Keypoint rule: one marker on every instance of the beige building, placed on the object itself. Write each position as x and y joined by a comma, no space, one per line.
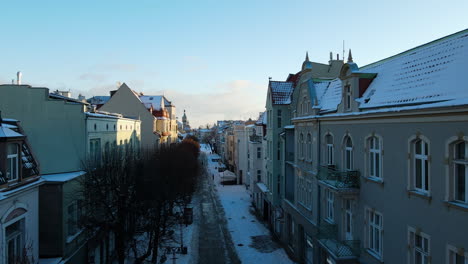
157,114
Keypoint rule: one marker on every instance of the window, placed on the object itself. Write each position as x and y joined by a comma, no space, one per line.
330,209
278,151
259,153
348,97
301,143
14,235
74,213
374,232
421,165
95,150
309,147
460,172
375,157
419,247
348,219
329,154
259,175
279,118
348,153
457,256
12,162
95,127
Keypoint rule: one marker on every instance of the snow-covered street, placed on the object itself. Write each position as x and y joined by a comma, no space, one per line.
252,240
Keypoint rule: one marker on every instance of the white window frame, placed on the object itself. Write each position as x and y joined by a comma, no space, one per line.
424,158
374,230
348,218
460,162
453,254
330,197
21,234
374,167
13,163
422,250
348,151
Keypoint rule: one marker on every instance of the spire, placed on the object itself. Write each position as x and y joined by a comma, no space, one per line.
307,56
350,56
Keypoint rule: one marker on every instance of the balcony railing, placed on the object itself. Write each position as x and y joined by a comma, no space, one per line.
338,179
328,238
255,138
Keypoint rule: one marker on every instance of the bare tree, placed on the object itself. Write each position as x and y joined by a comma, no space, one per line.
133,196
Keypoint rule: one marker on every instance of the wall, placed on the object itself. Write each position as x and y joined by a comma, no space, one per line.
55,128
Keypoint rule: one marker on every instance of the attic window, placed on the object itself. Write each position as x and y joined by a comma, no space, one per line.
95,127
348,97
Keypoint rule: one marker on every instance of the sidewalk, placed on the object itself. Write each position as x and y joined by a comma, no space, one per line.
253,241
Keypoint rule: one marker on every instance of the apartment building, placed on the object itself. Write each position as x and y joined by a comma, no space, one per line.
64,135
380,170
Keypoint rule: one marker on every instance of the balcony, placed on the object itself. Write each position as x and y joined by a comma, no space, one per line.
328,239
255,138
337,179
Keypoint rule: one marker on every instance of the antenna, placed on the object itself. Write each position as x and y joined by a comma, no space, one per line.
343,50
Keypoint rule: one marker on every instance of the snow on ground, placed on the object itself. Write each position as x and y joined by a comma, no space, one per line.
242,224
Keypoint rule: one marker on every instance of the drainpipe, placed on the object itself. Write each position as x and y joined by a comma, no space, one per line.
318,165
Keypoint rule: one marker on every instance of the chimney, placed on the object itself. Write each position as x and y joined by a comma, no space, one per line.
18,78
337,56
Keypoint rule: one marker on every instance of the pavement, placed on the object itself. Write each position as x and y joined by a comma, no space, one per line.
215,243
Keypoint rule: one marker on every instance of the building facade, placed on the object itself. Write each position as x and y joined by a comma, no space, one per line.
64,136
383,177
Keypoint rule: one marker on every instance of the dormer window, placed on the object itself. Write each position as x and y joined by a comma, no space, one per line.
348,97
12,162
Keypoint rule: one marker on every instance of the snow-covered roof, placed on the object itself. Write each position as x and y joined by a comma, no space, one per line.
63,177
262,119
100,99
6,132
281,92
328,95
262,187
428,73
34,183
156,101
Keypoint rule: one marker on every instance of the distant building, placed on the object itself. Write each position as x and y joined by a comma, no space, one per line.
157,115
185,123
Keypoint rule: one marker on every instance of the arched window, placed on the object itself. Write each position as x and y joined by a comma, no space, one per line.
309,147
348,153
330,150
375,157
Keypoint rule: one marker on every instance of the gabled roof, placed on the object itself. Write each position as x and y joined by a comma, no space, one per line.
281,92
429,73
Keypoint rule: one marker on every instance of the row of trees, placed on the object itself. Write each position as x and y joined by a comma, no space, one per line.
137,198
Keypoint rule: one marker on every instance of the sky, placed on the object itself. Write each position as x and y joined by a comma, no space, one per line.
211,58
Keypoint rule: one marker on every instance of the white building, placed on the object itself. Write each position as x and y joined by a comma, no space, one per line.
19,196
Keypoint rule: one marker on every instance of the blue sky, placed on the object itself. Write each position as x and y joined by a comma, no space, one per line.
212,58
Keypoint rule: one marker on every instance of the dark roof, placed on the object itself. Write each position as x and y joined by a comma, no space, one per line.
281,92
